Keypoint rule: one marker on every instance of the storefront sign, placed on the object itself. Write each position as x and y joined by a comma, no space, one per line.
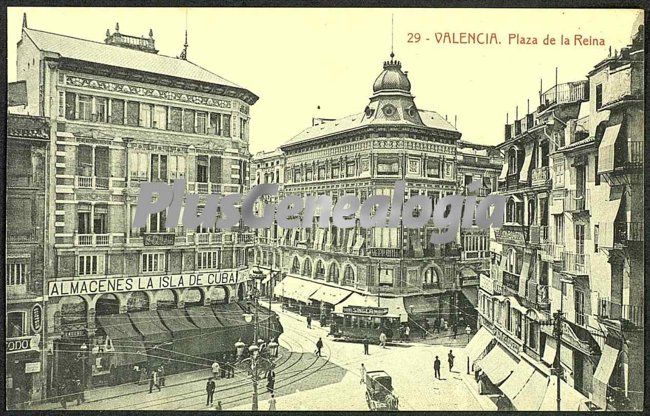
37,315
507,340
365,310
134,284
20,344
73,333
392,253
157,239
509,236
486,283
32,367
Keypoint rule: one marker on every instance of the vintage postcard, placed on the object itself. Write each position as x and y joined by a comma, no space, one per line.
324,209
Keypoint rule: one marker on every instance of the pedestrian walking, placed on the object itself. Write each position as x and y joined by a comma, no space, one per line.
363,374
270,381
436,367
136,374
319,345
215,369
309,321
161,375
366,346
382,340
222,370
450,360
407,332
154,381
272,402
79,392
210,386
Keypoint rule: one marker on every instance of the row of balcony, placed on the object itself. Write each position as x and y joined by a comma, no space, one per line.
628,231
97,182
92,182
570,92
612,310
164,238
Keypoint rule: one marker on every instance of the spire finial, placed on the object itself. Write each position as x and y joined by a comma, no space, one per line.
24,20
117,27
183,54
151,33
392,36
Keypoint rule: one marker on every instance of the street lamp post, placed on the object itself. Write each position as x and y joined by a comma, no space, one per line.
83,349
468,331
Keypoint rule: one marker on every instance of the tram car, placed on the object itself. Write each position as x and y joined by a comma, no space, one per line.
355,323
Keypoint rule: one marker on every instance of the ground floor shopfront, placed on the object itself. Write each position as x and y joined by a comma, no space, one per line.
100,339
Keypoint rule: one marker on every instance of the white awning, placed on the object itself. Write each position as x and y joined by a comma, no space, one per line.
358,244
330,294
608,210
478,344
523,277
602,375
395,306
516,382
504,171
498,365
295,288
571,400
606,149
549,351
523,174
350,233
531,395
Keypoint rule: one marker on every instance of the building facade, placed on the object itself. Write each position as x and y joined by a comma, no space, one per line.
122,114
28,153
573,236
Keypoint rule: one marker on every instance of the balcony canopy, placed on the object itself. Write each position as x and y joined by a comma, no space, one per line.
606,149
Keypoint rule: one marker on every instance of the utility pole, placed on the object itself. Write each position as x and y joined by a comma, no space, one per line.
379,286
254,359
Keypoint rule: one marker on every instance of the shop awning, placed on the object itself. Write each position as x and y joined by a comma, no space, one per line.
187,339
127,343
203,317
214,337
479,344
498,364
606,149
517,380
602,375
422,304
176,321
395,306
571,400
468,273
231,315
358,244
471,294
330,294
148,323
296,288
523,174
504,171
549,351
531,394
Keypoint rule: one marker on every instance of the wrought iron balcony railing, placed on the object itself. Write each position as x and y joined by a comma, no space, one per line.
576,264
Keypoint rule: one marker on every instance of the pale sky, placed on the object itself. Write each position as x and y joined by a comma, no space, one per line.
298,59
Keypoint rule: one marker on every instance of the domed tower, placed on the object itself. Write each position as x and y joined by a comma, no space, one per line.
392,100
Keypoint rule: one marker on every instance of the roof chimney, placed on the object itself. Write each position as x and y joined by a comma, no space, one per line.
24,20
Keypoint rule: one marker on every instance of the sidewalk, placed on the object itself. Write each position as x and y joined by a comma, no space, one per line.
483,399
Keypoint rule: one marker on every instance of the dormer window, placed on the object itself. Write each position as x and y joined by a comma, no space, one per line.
389,110
369,112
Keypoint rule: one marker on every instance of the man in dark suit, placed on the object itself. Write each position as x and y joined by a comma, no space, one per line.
209,389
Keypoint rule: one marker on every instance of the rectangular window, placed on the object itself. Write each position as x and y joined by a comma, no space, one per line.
350,169
297,176
201,122
101,109
387,166
100,219
133,113
242,128
335,171
157,222
85,107
559,229
596,236
215,169
175,119
559,173
153,262
321,172
102,165
176,167
88,265
596,175
433,168
226,125
215,124
70,105
580,239
208,260
188,121
202,169
160,117
61,104
15,324
83,219
117,111
16,274
146,115
580,308
84,160
599,96
158,168
308,175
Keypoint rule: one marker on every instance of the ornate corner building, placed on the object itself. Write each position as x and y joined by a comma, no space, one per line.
573,238
364,154
104,117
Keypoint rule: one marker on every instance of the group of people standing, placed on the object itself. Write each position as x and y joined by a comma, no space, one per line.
436,364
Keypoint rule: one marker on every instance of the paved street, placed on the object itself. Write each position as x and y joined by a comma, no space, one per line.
305,382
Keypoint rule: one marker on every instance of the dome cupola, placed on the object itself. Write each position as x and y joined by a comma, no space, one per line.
392,78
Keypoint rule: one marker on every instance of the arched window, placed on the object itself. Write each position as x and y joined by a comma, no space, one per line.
333,275
295,266
512,161
320,270
431,277
511,261
306,269
348,276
